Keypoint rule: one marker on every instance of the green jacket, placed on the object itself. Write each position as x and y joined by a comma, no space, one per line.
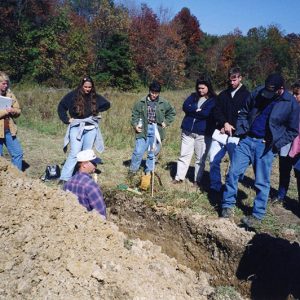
165,112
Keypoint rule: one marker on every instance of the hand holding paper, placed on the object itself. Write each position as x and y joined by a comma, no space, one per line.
5,103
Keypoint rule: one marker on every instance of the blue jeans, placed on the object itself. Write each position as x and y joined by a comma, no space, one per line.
250,151
86,142
14,149
216,153
141,146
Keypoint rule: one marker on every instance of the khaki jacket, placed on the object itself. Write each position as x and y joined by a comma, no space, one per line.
3,114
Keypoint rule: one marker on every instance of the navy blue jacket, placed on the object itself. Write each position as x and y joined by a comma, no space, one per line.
283,121
227,108
200,122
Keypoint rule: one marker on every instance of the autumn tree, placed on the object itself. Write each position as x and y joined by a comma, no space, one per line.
142,34
294,53
188,28
170,54
108,21
19,20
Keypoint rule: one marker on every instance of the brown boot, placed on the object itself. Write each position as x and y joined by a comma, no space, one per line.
145,182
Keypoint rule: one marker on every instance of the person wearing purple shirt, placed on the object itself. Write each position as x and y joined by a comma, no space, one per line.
82,184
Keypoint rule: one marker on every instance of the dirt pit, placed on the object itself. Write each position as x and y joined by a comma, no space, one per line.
258,266
51,248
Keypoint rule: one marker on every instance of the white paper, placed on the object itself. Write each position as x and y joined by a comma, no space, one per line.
233,139
220,137
284,151
5,102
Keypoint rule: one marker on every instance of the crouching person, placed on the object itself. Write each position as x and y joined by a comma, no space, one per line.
83,186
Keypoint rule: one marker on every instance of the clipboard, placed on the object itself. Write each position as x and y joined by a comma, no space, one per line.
220,137
5,102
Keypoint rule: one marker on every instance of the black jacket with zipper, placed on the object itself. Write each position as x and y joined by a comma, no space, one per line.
227,107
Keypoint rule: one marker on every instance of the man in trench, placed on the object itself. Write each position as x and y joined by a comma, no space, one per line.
83,186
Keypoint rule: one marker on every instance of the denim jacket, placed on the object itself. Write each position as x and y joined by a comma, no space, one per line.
283,120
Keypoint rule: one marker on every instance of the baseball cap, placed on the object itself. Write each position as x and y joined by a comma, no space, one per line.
88,155
272,84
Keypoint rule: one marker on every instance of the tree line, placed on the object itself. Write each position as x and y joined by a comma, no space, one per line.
54,42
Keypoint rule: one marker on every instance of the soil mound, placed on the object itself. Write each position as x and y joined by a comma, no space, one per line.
51,248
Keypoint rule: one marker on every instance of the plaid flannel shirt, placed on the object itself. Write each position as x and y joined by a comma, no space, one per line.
87,191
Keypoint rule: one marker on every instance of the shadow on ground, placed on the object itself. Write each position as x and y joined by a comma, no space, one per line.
273,267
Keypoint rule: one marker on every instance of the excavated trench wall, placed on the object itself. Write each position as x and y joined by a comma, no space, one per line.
257,265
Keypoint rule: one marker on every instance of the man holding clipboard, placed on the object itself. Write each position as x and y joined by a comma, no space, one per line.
229,102
9,109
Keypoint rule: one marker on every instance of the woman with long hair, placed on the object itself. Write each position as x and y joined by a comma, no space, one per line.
8,128
197,127
80,110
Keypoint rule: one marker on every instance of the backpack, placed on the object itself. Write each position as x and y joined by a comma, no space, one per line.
52,172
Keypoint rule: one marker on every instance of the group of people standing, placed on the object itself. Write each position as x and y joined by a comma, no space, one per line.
256,125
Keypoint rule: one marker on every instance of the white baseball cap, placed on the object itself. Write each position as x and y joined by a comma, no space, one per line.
88,155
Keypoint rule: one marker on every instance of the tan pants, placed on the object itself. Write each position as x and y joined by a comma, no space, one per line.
192,143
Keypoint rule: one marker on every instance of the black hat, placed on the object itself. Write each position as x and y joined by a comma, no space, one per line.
272,84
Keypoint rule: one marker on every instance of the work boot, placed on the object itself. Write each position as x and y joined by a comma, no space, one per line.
227,212
145,182
175,181
250,222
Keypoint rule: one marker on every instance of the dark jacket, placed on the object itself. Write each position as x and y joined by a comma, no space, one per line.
67,104
227,108
200,122
165,112
283,121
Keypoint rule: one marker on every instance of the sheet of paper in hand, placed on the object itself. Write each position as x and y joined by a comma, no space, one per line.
220,137
5,102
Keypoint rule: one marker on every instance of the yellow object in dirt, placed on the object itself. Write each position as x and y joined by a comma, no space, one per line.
145,182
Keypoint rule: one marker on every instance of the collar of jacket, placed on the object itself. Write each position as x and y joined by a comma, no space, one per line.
160,99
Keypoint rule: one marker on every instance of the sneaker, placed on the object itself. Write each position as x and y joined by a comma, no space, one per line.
276,201
250,222
131,174
174,181
227,212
